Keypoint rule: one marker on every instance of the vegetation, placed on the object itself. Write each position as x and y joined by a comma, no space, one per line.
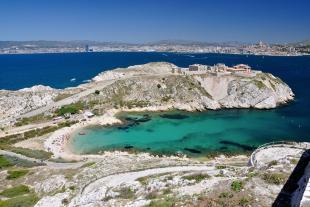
15,174
62,96
143,180
12,139
34,119
274,178
166,98
70,109
227,199
15,191
135,103
126,193
197,177
272,85
88,164
237,185
37,154
226,195
294,161
20,201
152,195
244,201
272,163
259,84
219,167
4,163
166,202
15,161
252,174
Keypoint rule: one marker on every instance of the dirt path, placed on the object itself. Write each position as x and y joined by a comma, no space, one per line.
96,190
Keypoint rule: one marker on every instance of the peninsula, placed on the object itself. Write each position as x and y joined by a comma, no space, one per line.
37,123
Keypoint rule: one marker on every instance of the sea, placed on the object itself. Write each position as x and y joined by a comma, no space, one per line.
194,134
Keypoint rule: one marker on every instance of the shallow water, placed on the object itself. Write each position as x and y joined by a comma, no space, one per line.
194,134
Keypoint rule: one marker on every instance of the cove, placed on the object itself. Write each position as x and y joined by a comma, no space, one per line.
195,134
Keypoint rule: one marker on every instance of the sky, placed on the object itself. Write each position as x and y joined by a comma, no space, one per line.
140,21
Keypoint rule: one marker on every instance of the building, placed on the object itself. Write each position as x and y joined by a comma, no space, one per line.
194,67
220,67
241,67
88,114
197,67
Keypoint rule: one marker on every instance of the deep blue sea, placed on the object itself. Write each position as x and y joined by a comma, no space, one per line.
253,127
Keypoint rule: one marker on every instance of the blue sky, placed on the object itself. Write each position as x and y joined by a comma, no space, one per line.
152,20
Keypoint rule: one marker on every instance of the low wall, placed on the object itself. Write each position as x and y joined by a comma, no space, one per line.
287,144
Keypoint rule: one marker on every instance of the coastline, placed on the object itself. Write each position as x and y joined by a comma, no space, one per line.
57,143
174,52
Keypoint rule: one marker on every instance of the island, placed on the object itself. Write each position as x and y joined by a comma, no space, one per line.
38,122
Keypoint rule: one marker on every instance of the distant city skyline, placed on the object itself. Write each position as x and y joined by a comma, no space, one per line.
139,21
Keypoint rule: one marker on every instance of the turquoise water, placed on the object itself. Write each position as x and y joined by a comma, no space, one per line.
224,130
194,134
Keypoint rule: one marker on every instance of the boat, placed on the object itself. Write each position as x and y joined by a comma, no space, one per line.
82,133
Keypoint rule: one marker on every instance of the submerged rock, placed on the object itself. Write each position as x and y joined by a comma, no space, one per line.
192,150
243,146
174,116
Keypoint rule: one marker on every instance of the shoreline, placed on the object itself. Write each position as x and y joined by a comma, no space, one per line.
176,52
58,142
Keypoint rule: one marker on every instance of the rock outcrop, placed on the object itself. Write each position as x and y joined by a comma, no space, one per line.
160,87
14,103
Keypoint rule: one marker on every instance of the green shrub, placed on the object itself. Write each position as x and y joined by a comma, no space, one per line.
167,202
237,185
14,174
197,177
62,96
88,164
34,119
294,161
37,154
4,162
244,201
71,109
274,178
143,180
126,193
15,191
259,84
272,163
226,195
20,201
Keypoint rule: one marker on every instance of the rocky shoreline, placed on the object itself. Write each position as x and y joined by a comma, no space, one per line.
123,179
152,87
